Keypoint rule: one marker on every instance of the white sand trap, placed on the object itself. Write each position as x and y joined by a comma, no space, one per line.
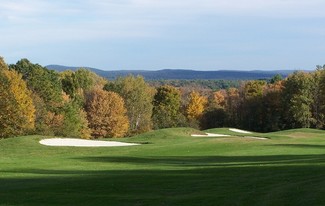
82,143
210,135
240,131
260,138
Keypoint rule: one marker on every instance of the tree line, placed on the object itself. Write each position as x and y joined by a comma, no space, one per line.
295,102
35,100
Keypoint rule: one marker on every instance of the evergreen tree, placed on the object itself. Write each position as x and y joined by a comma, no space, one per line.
45,83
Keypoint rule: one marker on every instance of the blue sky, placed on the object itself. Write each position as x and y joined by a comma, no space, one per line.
160,34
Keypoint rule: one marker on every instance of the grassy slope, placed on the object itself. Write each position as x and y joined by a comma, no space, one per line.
170,168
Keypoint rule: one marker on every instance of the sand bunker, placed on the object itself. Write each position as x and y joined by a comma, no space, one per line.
240,131
209,135
82,143
260,138
225,135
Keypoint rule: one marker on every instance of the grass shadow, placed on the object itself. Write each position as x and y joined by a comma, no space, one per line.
251,180
305,146
222,161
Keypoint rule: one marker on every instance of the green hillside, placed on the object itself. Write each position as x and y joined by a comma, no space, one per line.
170,168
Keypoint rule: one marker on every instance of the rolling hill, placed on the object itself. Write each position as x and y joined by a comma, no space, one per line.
167,74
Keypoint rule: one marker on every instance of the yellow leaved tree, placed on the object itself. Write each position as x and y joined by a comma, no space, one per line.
196,106
17,112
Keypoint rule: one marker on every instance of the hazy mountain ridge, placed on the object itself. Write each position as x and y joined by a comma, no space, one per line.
182,74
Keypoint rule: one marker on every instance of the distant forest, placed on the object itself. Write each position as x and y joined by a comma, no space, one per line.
180,74
202,85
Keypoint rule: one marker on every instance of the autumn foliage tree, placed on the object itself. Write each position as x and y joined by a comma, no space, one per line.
46,88
196,106
232,106
273,107
77,83
17,112
56,112
215,114
106,114
251,105
73,103
218,99
138,96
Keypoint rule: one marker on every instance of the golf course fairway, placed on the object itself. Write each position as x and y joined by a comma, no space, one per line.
169,167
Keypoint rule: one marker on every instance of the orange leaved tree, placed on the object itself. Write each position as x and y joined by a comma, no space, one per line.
106,114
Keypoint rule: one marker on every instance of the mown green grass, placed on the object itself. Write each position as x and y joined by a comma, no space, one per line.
169,168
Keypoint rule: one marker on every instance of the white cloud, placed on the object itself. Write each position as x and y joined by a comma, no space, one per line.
157,11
